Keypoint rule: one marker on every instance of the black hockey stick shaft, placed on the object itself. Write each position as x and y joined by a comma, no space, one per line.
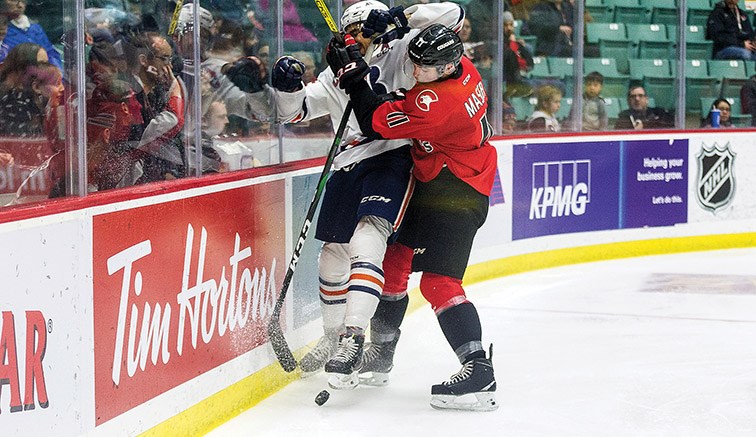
275,332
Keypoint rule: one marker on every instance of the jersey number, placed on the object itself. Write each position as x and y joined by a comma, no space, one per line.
486,129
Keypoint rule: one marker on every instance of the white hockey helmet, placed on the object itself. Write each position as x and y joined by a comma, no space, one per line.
359,12
185,22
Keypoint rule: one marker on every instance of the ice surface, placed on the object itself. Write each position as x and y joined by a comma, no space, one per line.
648,346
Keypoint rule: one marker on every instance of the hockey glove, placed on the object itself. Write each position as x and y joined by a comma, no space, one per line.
346,62
287,74
380,22
247,73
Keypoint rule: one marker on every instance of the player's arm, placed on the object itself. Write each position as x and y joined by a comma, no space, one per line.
384,26
294,101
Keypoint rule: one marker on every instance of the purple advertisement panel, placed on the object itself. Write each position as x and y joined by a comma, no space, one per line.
655,183
562,188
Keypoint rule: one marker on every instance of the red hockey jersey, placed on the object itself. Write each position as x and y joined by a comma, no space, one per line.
447,120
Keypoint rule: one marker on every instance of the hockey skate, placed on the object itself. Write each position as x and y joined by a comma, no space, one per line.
314,360
471,389
377,362
342,368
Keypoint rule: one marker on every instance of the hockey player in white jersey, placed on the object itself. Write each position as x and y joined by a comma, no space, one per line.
368,192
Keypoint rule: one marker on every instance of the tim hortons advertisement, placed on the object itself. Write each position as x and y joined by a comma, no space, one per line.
43,325
182,287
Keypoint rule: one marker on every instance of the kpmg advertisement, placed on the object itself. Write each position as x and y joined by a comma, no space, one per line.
562,188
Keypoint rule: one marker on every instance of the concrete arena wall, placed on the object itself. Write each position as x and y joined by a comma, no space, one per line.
146,313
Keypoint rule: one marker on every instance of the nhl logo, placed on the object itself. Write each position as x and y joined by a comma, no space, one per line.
715,184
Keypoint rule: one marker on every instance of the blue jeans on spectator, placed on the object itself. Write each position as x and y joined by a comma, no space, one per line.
735,52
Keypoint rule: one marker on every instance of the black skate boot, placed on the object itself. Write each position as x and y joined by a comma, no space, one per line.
377,362
472,388
342,368
314,360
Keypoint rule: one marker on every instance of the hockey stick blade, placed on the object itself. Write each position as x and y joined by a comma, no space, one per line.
280,346
275,332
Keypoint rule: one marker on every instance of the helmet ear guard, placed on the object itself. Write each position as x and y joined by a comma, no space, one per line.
436,46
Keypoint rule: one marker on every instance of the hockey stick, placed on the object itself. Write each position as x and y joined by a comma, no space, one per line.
174,17
323,8
275,332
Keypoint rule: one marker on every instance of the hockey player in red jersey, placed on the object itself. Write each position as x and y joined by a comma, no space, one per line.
367,194
445,114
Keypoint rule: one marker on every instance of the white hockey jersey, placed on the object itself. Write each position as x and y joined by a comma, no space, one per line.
388,72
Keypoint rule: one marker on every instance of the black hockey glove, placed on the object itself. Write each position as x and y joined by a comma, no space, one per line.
287,74
247,73
346,62
378,21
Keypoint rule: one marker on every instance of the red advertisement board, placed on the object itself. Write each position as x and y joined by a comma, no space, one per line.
182,287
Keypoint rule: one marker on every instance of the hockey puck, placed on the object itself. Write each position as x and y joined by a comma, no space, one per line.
322,397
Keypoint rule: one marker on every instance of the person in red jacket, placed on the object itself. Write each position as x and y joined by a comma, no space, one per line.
455,166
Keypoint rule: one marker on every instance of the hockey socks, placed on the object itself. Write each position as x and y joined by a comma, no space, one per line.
461,327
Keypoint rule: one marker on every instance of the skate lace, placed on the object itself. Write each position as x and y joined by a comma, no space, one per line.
462,375
347,350
371,353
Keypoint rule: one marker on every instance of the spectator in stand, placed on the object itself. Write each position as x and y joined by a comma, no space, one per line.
748,98
517,60
552,22
228,42
728,27
725,110
213,124
509,118
46,84
251,100
544,118
161,97
640,116
21,29
116,98
20,116
3,31
465,34
521,8
483,14
595,117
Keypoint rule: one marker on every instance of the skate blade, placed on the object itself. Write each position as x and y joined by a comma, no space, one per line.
374,379
481,401
339,381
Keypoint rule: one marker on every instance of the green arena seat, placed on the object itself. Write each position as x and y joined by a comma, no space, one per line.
731,73
698,83
640,68
628,11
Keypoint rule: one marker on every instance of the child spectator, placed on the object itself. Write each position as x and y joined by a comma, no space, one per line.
595,117
544,118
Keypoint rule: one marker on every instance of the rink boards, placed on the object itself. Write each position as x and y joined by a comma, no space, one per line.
146,311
